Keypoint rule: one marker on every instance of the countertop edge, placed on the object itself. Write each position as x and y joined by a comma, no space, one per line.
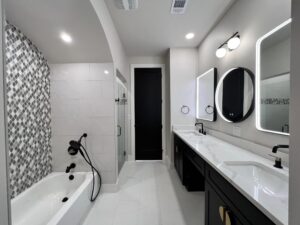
233,183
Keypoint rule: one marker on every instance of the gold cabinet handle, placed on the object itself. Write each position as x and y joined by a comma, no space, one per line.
227,218
222,213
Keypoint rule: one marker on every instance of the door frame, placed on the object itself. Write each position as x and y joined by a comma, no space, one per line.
148,66
118,80
5,203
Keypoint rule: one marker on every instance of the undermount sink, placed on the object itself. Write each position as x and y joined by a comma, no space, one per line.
259,180
191,133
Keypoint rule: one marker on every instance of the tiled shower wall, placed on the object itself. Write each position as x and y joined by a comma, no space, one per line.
82,100
28,111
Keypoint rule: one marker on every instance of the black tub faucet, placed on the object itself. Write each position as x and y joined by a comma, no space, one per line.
72,166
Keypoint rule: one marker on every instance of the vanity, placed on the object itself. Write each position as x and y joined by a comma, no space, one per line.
240,187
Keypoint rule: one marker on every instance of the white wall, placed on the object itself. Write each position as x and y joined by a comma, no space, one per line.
147,60
252,19
4,177
82,100
118,54
294,193
183,70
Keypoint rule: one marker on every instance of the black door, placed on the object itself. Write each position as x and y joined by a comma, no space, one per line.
148,113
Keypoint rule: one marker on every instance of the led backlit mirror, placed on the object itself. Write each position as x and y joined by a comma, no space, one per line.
206,84
273,80
235,95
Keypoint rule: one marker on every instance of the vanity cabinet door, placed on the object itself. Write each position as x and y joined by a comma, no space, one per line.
242,207
217,210
178,156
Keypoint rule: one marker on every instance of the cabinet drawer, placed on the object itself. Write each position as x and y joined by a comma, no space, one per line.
235,199
195,159
218,211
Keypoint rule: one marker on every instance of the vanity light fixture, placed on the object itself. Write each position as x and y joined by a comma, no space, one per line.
189,36
232,43
66,37
221,52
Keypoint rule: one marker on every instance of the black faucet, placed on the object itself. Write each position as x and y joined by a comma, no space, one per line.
275,148
201,131
72,166
278,159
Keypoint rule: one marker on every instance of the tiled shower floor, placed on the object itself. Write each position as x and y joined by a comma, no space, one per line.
149,194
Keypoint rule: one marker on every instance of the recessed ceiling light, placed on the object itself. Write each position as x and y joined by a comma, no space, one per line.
106,71
66,37
190,36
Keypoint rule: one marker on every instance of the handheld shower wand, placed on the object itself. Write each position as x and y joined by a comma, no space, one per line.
74,148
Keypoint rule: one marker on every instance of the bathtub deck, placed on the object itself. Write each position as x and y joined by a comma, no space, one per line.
149,194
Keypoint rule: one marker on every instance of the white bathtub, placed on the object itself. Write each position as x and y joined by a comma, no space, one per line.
42,203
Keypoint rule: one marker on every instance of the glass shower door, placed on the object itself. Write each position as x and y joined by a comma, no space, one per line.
121,104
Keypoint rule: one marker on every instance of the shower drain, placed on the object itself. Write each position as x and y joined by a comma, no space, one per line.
65,199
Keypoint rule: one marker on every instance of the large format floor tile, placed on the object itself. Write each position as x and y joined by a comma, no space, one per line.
149,194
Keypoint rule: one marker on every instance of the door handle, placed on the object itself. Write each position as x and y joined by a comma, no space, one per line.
119,130
227,218
225,215
222,213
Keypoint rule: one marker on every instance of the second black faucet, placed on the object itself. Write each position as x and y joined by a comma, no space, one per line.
201,131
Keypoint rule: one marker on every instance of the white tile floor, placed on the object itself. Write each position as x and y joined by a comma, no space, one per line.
149,194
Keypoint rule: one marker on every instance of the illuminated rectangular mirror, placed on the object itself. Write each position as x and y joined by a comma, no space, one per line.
273,80
206,85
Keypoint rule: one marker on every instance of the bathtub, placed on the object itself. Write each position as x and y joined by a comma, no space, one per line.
42,203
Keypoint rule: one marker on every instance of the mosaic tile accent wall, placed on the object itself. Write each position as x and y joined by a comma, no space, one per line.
28,107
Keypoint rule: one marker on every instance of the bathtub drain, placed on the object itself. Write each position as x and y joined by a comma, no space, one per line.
65,199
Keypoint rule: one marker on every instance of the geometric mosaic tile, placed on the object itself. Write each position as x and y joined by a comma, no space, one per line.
28,111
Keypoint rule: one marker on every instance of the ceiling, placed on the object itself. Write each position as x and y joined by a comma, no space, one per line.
151,29
43,21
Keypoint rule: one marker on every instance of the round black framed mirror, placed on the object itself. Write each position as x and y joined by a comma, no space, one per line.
235,95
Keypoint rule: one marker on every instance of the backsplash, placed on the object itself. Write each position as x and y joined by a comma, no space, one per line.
28,111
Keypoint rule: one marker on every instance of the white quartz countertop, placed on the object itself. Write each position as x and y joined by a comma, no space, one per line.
266,188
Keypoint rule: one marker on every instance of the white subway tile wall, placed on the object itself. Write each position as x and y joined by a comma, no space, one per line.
82,100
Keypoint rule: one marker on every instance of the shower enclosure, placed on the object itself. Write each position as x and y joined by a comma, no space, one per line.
121,122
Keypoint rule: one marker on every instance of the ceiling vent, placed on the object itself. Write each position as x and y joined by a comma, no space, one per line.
178,6
127,4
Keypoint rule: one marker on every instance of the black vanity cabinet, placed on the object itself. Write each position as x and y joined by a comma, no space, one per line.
189,166
220,193
178,156
217,211
224,204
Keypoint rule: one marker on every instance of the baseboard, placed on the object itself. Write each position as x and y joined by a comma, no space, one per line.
167,161
130,158
110,188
